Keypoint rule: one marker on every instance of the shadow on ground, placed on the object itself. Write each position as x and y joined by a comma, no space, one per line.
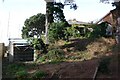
78,44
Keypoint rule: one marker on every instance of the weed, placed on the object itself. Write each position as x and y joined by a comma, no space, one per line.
21,74
39,74
52,55
13,68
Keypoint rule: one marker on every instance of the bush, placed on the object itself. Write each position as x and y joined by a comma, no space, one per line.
52,55
55,54
56,31
39,74
99,30
72,32
38,44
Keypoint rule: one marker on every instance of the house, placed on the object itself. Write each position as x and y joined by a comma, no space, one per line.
110,17
75,22
79,25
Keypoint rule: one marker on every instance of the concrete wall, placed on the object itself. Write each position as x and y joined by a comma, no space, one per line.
2,48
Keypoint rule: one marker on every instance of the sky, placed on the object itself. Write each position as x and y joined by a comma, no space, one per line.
13,13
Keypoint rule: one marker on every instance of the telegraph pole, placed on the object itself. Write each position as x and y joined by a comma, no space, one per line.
46,25
47,20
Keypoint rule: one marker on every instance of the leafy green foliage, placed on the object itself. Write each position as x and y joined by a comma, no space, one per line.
55,54
56,31
58,12
38,44
55,13
34,26
73,6
52,56
49,12
98,30
72,32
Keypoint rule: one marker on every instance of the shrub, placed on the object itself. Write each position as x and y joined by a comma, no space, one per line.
42,58
52,55
55,54
99,30
38,44
72,32
56,31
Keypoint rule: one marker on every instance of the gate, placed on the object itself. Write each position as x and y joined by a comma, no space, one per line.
23,53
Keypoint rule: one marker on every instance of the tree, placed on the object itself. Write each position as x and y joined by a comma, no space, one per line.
55,12
49,12
34,26
32,30
58,12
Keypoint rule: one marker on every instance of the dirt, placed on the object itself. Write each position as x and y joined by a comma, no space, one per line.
76,69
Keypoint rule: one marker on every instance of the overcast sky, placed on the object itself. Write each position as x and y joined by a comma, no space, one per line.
15,13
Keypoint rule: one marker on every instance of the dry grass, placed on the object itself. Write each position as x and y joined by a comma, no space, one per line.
85,49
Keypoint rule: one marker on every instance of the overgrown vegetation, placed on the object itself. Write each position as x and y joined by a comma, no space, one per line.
99,30
72,32
16,70
19,71
92,39
38,44
57,31
54,55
